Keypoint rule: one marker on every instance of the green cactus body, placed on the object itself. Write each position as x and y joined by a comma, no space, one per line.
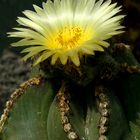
41,114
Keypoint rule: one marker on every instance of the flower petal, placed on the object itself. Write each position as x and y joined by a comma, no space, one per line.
75,59
63,58
54,58
43,57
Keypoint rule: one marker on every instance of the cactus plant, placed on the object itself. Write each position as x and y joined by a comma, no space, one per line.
84,90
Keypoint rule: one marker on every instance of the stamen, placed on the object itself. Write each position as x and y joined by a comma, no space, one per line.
69,37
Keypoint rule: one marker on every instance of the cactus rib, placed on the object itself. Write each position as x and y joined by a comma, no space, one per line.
103,106
15,95
64,108
130,69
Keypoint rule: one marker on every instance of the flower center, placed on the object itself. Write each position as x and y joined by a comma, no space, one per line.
69,37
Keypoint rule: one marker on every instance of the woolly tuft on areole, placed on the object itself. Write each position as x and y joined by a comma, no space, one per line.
67,29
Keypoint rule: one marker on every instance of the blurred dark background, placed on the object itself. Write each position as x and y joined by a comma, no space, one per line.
9,10
131,8
13,72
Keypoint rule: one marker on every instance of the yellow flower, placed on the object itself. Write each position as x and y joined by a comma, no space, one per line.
67,29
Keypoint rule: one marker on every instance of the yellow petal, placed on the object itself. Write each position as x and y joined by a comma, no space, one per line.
75,59
54,58
43,57
34,49
63,59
